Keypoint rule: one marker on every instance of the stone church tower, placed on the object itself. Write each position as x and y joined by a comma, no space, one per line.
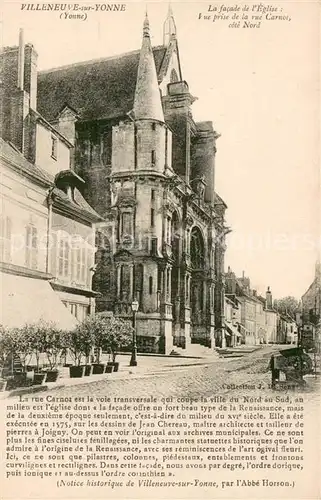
149,168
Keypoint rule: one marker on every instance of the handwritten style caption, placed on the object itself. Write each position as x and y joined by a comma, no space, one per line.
73,11
244,16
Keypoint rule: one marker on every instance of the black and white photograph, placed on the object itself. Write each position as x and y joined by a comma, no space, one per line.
160,235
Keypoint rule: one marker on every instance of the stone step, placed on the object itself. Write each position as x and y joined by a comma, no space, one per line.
201,351
196,350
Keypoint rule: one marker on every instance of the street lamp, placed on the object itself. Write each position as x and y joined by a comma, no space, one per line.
133,359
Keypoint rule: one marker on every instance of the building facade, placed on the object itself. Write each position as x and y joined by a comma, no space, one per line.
259,322
271,319
47,233
310,320
231,336
150,173
311,300
240,287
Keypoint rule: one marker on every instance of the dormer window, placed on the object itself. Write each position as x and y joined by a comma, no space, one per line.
67,181
54,147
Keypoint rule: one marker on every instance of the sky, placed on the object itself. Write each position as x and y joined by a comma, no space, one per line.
259,86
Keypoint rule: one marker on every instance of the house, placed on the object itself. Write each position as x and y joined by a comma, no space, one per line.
292,331
260,319
271,319
47,229
248,302
311,299
149,171
232,322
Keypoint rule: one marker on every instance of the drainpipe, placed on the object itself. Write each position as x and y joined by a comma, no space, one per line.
49,227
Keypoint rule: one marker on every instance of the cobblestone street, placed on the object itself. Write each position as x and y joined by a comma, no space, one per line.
172,378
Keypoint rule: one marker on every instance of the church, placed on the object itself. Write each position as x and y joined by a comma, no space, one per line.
149,172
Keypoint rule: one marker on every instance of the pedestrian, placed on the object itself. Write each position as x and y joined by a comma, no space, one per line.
274,372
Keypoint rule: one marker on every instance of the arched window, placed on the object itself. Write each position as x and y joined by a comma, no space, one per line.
175,235
197,249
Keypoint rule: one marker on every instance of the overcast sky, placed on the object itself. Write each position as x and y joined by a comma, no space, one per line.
260,87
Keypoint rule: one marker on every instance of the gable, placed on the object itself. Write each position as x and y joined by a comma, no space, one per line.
170,70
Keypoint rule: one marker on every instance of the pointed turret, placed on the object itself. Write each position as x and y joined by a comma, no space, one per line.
147,102
169,30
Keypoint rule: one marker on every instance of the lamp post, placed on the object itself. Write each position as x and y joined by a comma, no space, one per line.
133,359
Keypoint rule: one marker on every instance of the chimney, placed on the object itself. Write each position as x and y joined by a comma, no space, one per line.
21,61
19,80
30,74
268,297
254,293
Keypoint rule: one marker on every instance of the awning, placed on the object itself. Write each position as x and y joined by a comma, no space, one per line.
28,300
233,329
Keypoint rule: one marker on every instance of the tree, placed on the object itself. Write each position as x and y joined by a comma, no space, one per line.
9,348
79,342
120,335
23,344
54,343
287,305
106,332
33,337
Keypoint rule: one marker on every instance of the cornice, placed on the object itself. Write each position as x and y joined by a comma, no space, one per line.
26,272
72,289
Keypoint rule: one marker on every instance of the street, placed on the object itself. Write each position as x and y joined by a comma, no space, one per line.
169,377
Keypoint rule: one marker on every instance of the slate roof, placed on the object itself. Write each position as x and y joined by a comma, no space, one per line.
9,153
97,89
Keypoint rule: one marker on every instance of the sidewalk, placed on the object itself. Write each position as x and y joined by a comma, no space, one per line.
147,365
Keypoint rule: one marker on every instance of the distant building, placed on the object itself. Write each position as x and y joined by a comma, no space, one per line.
240,287
232,322
311,299
47,233
282,328
260,319
292,332
271,319
310,319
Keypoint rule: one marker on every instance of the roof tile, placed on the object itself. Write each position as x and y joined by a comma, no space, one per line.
98,89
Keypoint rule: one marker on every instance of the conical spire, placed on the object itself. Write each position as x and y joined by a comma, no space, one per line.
147,102
169,29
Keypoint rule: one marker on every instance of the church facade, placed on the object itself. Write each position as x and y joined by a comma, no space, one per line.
149,171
